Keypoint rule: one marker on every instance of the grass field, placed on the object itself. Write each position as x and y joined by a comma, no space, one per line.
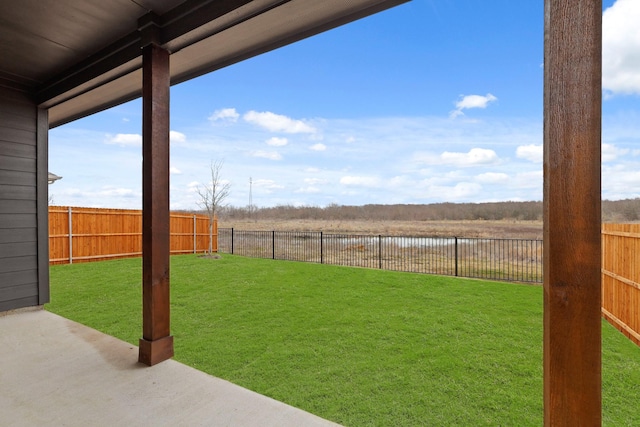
359,347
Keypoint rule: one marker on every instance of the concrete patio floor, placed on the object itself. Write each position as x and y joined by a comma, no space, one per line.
56,372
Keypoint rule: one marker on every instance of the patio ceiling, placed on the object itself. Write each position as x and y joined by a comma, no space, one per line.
77,57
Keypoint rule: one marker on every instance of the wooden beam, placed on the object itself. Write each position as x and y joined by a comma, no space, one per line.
156,344
572,245
182,19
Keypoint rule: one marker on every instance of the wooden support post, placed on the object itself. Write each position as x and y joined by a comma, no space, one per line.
572,217
156,344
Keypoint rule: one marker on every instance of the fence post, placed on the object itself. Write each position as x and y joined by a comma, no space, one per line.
194,235
273,244
380,251
456,254
321,250
70,236
231,240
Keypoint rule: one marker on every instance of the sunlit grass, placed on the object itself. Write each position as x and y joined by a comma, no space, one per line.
356,346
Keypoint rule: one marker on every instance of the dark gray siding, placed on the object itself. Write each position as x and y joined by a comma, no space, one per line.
20,171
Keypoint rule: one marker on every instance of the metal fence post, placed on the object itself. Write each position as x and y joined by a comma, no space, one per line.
273,244
231,240
456,254
380,251
70,237
321,249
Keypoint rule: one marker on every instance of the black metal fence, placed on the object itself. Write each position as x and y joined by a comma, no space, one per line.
517,260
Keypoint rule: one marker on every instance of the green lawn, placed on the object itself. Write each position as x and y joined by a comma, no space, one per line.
359,347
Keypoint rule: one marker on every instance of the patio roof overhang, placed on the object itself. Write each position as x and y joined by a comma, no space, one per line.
78,57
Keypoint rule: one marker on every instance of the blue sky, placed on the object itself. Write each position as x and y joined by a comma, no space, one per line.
432,101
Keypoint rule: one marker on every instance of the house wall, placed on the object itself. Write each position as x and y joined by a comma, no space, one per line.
23,164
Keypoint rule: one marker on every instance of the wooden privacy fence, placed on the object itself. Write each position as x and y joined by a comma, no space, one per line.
92,234
621,278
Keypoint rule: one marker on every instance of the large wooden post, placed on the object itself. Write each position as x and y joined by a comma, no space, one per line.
156,344
572,293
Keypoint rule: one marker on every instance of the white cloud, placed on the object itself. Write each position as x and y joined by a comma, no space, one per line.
475,157
360,181
277,142
308,190
401,182
124,139
271,155
530,179
465,189
610,152
315,181
120,192
620,181
475,101
460,191
175,171
106,191
267,184
471,101
135,139
312,170
318,147
534,152
225,115
175,136
493,178
531,152
277,123
621,48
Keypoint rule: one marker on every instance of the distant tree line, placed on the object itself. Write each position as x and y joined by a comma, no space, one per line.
627,210
431,212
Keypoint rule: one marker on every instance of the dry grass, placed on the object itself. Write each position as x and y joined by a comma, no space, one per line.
487,229
482,257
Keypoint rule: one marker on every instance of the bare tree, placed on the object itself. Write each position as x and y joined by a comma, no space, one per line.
212,195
